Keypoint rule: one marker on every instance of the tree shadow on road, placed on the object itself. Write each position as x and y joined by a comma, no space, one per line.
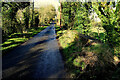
21,62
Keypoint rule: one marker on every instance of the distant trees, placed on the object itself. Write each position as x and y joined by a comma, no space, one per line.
17,17
46,14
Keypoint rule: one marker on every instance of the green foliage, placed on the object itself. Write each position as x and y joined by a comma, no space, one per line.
10,23
82,20
109,18
26,17
46,14
93,57
83,60
76,16
68,14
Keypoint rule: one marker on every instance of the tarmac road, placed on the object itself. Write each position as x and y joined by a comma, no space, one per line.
37,58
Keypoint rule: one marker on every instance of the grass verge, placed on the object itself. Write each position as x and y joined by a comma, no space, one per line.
87,59
17,39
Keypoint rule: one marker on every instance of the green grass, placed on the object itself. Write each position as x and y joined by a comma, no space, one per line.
79,58
97,54
16,39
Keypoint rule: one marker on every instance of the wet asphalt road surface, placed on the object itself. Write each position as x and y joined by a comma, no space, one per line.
37,58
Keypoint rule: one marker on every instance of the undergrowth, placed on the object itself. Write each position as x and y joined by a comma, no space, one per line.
87,59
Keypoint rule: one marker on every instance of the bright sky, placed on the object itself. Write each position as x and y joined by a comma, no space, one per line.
39,3
55,3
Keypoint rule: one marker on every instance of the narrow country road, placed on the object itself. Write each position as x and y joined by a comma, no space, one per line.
37,58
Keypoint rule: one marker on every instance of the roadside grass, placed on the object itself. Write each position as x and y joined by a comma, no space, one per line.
17,39
86,59
85,56
58,31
